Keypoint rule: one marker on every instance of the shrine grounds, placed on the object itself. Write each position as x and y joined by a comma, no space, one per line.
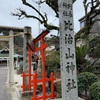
17,87
14,90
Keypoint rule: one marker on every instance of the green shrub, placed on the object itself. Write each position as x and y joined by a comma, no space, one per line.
95,91
85,80
90,68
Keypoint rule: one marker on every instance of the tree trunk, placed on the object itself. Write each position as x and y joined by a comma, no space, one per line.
86,95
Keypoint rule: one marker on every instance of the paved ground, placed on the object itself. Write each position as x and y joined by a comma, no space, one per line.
4,92
14,89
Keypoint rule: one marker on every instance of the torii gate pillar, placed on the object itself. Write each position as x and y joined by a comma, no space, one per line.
10,78
26,39
11,59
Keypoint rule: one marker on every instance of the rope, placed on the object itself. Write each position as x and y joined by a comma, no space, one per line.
13,35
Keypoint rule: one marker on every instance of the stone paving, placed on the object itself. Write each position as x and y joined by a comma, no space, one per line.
4,92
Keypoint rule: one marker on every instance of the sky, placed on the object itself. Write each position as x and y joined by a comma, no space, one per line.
8,6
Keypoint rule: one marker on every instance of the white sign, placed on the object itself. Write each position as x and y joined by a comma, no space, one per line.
67,51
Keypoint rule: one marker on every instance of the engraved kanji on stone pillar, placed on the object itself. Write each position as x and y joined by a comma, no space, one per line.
67,51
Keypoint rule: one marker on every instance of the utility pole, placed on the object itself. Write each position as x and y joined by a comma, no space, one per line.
39,53
38,3
67,51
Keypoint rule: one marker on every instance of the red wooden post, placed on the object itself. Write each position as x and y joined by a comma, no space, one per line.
52,86
34,87
43,69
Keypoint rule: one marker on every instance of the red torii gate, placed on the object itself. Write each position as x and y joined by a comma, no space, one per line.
33,83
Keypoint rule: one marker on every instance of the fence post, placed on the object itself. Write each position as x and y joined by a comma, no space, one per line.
52,85
34,86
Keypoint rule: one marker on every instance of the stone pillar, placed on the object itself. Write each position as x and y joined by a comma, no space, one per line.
26,39
17,61
7,62
11,59
67,51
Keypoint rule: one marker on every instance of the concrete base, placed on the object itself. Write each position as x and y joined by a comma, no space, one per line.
13,91
61,99
26,93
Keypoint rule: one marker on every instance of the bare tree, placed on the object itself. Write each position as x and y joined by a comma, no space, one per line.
43,17
94,6
92,9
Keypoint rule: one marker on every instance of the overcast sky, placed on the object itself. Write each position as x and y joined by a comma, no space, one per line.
8,6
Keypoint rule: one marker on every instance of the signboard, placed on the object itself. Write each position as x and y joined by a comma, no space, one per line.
67,51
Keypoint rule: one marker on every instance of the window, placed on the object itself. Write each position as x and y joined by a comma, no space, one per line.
82,24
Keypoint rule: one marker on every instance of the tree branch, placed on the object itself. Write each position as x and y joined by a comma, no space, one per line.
54,5
51,27
43,20
29,5
23,13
